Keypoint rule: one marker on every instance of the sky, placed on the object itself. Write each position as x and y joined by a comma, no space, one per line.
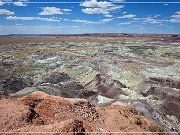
89,16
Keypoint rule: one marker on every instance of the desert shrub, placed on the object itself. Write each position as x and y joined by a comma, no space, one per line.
138,121
123,127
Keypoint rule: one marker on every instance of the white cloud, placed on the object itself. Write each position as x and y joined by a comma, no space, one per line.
16,3
102,7
117,0
166,4
19,3
136,19
18,24
124,12
95,11
66,10
127,16
93,22
178,12
108,15
20,18
156,16
152,19
53,11
33,18
80,21
94,3
1,3
6,12
106,20
124,23
176,17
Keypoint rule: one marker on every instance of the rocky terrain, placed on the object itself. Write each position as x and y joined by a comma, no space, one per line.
40,112
89,83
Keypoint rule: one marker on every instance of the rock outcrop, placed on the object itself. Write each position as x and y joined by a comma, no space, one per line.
40,112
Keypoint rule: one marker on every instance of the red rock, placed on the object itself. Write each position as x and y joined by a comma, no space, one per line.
40,112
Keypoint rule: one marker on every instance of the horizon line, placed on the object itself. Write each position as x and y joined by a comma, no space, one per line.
95,33
69,2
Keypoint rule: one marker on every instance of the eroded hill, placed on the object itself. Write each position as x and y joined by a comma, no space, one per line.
141,72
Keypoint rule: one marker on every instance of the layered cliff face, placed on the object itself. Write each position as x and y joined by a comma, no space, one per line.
40,112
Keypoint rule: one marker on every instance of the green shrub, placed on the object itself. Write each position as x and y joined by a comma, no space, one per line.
138,121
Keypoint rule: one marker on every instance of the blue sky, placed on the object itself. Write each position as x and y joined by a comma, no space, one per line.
89,16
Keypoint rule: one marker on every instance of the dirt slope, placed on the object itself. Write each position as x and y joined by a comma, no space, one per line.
40,112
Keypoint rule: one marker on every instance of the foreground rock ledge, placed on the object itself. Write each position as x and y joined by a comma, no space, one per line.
40,112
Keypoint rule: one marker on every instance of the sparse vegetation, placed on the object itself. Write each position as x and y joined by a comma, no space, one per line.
123,127
156,128
125,66
138,121
134,111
